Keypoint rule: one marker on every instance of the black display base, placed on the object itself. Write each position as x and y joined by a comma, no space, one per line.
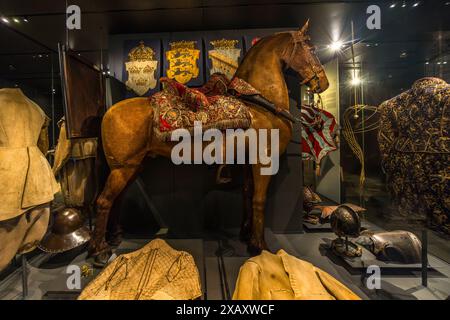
369,259
317,227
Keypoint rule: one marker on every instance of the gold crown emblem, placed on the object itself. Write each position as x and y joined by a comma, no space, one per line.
141,53
224,44
182,45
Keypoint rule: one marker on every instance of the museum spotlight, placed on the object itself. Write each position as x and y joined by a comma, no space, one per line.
5,20
335,45
393,5
25,20
16,20
404,4
356,81
416,4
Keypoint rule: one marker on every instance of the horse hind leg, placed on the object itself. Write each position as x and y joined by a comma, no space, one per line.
116,183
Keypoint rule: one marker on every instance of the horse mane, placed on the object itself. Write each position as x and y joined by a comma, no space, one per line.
260,48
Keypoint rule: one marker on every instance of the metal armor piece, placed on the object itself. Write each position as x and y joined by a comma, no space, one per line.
67,232
395,246
345,222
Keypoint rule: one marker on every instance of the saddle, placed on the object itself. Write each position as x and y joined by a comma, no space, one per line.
178,106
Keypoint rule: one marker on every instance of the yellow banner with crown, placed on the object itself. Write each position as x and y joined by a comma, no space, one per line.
182,61
224,57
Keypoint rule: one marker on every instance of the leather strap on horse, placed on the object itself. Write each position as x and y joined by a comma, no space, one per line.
266,104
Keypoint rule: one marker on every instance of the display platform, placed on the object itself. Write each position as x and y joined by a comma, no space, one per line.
368,259
219,257
48,274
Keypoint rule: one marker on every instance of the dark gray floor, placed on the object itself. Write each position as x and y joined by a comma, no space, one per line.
47,274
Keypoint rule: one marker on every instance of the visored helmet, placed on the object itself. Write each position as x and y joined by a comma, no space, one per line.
345,222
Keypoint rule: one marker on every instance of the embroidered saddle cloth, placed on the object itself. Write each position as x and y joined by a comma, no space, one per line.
178,106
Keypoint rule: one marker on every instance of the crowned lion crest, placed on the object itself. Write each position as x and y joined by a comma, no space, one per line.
182,58
141,66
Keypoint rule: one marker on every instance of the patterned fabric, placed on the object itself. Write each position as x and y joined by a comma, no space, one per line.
178,106
318,132
155,272
242,87
216,85
192,98
415,149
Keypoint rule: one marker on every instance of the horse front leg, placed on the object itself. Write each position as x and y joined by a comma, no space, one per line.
261,184
117,181
247,195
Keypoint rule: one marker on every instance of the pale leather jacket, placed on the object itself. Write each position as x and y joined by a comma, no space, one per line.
154,272
26,179
283,277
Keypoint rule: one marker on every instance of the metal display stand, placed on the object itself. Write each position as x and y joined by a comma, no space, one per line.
424,258
24,277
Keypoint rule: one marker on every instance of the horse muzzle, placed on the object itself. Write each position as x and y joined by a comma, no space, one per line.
319,84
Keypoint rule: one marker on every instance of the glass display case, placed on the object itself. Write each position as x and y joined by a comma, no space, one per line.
357,93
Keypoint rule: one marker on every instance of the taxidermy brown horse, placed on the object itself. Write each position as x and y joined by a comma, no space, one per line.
128,136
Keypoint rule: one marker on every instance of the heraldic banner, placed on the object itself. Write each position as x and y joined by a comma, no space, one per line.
142,66
183,61
223,55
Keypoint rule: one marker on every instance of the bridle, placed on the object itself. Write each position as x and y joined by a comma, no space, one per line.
299,39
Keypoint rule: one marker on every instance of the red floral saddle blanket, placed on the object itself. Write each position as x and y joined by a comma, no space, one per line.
178,106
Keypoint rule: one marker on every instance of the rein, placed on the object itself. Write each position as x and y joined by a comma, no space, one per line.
300,39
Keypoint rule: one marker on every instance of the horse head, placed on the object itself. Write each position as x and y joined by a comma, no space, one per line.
301,56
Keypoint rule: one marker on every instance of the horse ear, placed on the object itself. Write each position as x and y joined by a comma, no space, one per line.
305,28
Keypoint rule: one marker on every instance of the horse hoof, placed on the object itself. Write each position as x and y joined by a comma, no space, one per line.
114,241
101,259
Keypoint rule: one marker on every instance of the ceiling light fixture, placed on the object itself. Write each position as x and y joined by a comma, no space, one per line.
16,20
404,4
25,20
335,45
356,81
416,4
393,5
5,20
427,62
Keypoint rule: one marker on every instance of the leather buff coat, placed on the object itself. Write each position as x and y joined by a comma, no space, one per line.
283,277
26,179
27,184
